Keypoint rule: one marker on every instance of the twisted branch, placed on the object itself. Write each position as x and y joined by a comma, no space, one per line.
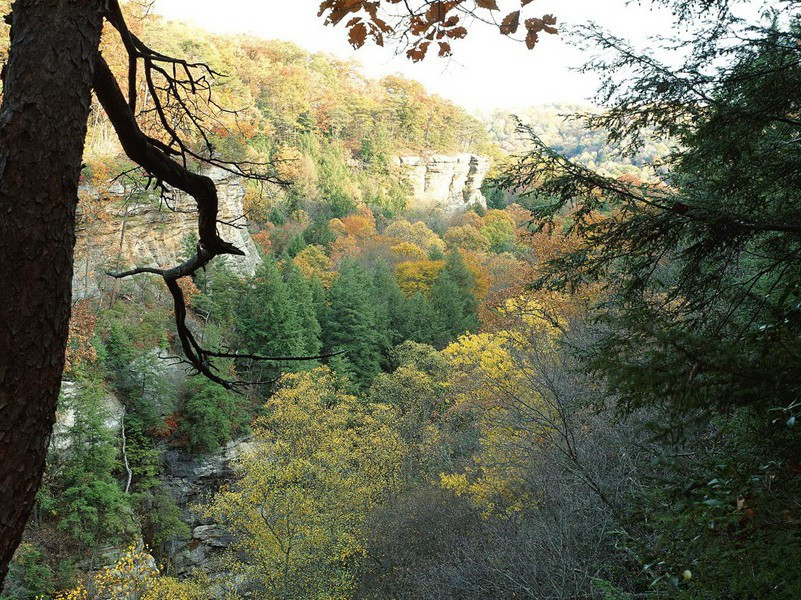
166,163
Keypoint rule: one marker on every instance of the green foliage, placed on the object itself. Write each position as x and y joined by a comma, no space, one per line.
275,318
302,292
499,229
163,524
702,269
85,495
29,576
211,415
356,322
220,293
700,307
724,517
453,301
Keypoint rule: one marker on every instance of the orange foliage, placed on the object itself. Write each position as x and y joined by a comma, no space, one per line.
360,225
521,216
344,247
466,218
189,289
262,241
480,274
82,327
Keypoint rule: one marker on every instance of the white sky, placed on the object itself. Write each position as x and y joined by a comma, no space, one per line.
487,70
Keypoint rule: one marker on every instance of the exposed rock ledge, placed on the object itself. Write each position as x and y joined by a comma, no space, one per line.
450,182
193,480
145,234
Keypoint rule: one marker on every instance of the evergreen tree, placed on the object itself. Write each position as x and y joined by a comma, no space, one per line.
355,323
84,493
390,305
302,294
453,302
268,322
417,320
212,415
701,268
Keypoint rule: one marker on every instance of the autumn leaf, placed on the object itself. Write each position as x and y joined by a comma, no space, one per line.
534,26
544,24
457,33
524,2
488,4
510,23
438,11
418,52
444,49
357,35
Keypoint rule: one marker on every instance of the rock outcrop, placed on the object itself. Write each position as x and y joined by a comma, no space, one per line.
147,233
110,408
191,481
451,183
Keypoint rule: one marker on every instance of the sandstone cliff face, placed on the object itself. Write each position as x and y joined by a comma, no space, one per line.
450,182
147,234
192,480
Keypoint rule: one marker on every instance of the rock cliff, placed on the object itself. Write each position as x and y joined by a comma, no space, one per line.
148,233
193,480
450,182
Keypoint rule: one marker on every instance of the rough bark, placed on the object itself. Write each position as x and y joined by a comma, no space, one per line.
47,92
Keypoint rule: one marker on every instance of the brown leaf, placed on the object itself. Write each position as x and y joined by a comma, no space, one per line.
488,4
548,21
382,25
457,33
444,49
357,35
438,11
524,2
418,52
544,24
531,39
510,23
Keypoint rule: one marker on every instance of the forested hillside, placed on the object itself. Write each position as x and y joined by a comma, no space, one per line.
562,128
586,388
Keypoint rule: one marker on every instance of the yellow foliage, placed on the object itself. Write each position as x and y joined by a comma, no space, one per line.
418,275
313,262
320,461
415,233
408,251
174,589
497,217
134,575
467,237
491,377
337,227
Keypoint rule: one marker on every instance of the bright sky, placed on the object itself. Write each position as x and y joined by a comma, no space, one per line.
487,70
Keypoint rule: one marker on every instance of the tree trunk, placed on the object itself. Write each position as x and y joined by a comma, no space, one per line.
47,92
